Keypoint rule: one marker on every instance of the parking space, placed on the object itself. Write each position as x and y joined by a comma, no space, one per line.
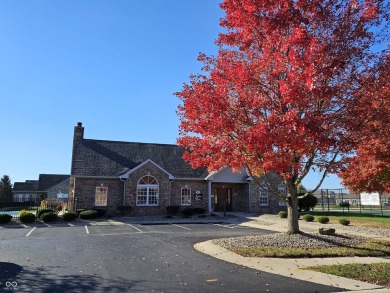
48,231
167,228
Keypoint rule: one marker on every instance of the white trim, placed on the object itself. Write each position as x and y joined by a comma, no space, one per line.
126,175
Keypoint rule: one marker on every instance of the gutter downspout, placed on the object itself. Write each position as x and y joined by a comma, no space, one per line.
209,196
249,196
74,195
124,190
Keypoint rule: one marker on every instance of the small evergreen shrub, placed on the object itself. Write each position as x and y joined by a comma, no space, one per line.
172,210
26,217
344,221
88,214
100,212
125,210
5,218
282,214
344,204
78,211
44,211
199,211
323,219
48,217
188,212
70,216
308,218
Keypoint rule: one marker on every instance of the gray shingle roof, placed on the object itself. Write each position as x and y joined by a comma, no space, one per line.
114,158
28,186
47,181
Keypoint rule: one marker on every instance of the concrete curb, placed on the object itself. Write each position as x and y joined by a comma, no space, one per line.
293,268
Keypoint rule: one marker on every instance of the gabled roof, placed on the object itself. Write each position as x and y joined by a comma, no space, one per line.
114,158
126,175
28,186
47,181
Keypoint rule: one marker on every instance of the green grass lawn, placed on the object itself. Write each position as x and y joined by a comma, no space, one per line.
357,219
370,248
376,273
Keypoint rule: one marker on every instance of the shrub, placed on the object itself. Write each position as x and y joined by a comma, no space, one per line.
308,218
100,212
70,216
327,231
124,210
307,203
44,211
78,211
323,219
188,212
344,221
199,211
282,214
88,214
172,210
5,218
26,217
48,217
344,204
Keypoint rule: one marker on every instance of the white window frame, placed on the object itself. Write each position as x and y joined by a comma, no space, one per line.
282,190
150,191
264,196
101,195
185,199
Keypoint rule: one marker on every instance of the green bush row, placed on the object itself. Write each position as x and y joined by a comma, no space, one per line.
188,212
5,218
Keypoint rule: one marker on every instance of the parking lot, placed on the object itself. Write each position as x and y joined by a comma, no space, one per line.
129,257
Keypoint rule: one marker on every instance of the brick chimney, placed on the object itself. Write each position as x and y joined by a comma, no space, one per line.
78,132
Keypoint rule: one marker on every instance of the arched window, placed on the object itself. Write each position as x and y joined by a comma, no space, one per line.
147,191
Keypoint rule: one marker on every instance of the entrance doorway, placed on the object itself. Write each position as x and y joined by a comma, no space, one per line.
223,200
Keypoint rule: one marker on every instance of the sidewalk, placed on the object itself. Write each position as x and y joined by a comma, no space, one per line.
294,267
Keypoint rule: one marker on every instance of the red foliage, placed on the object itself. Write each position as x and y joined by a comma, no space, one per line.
369,169
277,97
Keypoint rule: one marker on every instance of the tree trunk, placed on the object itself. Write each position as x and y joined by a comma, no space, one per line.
293,216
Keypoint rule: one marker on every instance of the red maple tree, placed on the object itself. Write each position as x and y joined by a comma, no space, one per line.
275,97
369,168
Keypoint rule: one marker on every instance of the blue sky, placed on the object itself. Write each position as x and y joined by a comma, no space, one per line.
113,65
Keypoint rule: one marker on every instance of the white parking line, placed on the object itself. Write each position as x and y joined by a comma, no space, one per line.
86,229
181,227
225,226
135,228
29,233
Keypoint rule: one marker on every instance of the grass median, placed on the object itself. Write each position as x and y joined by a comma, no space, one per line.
376,273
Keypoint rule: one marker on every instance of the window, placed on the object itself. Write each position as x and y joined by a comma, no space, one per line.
185,198
282,190
264,196
101,196
147,191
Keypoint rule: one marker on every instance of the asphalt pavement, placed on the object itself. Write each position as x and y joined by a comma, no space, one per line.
123,256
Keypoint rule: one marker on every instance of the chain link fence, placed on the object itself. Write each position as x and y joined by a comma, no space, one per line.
342,200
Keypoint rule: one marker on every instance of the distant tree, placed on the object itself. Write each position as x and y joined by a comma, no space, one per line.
278,95
5,188
307,203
